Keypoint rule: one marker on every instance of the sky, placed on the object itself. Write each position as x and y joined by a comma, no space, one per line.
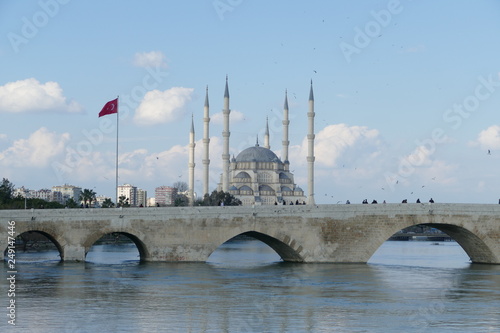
407,93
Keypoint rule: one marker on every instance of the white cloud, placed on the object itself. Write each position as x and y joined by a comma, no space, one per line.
151,169
132,159
234,116
489,138
334,140
347,158
159,107
421,171
36,151
146,169
420,156
158,165
93,167
440,172
31,95
150,59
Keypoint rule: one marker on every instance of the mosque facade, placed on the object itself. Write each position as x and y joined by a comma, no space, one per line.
256,176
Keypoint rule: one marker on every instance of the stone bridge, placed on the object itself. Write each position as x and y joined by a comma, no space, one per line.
303,233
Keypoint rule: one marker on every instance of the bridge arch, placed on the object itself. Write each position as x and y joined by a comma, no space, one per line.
137,240
49,234
286,248
475,246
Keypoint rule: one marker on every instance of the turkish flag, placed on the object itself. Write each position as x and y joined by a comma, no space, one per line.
109,108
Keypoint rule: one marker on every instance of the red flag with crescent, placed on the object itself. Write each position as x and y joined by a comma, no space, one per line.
109,108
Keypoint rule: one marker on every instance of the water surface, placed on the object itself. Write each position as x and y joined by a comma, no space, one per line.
245,287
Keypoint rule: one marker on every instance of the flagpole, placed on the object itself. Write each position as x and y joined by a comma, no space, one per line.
116,171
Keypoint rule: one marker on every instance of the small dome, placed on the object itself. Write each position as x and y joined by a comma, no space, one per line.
245,188
283,176
242,174
265,188
257,154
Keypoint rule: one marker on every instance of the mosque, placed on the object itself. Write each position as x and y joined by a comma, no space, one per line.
256,176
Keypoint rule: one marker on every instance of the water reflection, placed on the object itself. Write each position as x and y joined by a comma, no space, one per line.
243,252
113,253
421,254
245,287
37,256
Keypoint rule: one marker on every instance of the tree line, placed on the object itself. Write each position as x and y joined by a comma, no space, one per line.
9,201
88,197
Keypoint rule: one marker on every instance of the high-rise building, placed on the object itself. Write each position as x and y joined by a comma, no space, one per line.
100,200
62,193
151,202
44,194
142,198
129,192
165,195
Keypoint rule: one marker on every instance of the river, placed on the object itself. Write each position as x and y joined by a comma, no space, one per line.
411,286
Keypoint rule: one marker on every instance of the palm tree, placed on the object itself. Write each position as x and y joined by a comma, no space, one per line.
71,203
83,198
87,196
107,203
92,197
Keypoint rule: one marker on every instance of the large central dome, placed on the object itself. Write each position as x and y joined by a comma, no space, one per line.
257,154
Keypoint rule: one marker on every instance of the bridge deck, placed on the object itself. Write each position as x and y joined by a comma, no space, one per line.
319,233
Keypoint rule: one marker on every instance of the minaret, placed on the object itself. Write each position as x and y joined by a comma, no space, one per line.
206,144
266,135
285,123
225,136
310,148
191,164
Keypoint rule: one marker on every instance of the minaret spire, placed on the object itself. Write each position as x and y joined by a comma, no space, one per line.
311,95
191,163
226,90
285,123
310,146
225,135
266,135
206,144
